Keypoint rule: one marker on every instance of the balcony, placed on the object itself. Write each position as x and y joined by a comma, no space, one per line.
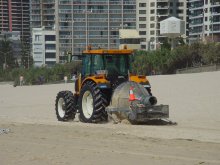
196,5
49,12
63,11
216,4
66,2
161,14
196,16
48,1
163,0
195,1
129,2
196,24
163,7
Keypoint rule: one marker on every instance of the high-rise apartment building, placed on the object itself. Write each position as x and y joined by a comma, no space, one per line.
15,16
204,18
150,13
92,22
84,22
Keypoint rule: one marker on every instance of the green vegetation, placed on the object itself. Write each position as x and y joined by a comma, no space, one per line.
43,74
165,61
6,54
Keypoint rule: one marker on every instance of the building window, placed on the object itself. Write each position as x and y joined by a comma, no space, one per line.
50,47
171,3
142,4
152,32
142,32
143,46
50,63
114,33
179,11
152,46
50,55
206,18
129,7
142,11
143,39
37,38
152,25
142,25
142,18
152,4
152,11
50,38
180,4
152,18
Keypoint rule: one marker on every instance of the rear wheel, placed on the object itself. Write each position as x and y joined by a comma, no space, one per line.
92,104
65,106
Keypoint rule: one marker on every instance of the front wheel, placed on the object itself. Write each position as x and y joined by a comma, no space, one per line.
92,104
65,106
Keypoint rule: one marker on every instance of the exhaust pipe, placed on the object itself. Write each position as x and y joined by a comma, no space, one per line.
151,100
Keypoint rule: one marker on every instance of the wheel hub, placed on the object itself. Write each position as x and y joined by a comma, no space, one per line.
61,107
87,104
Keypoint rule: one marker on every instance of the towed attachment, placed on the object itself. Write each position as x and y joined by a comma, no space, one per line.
132,101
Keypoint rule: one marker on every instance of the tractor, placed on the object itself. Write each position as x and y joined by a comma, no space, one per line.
105,87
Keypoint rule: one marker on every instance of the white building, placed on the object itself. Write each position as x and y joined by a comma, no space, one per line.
43,47
129,38
149,14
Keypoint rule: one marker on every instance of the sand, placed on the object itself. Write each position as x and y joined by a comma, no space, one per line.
36,137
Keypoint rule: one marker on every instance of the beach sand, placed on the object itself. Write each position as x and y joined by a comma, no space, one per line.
36,137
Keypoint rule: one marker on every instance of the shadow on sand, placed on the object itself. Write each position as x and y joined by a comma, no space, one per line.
158,122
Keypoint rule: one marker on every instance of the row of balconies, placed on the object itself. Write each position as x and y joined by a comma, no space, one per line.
35,1
48,20
35,12
36,19
48,12
90,28
69,20
104,20
104,2
83,28
113,11
64,37
197,5
83,46
216,3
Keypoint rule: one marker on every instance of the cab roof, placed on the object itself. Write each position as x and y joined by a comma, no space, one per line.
110,51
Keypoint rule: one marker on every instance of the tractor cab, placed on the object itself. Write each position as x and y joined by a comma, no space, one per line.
112,63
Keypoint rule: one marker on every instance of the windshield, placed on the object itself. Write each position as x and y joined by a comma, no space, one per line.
115,64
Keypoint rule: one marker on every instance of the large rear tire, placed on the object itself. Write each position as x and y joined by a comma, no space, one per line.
92,103
65,106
